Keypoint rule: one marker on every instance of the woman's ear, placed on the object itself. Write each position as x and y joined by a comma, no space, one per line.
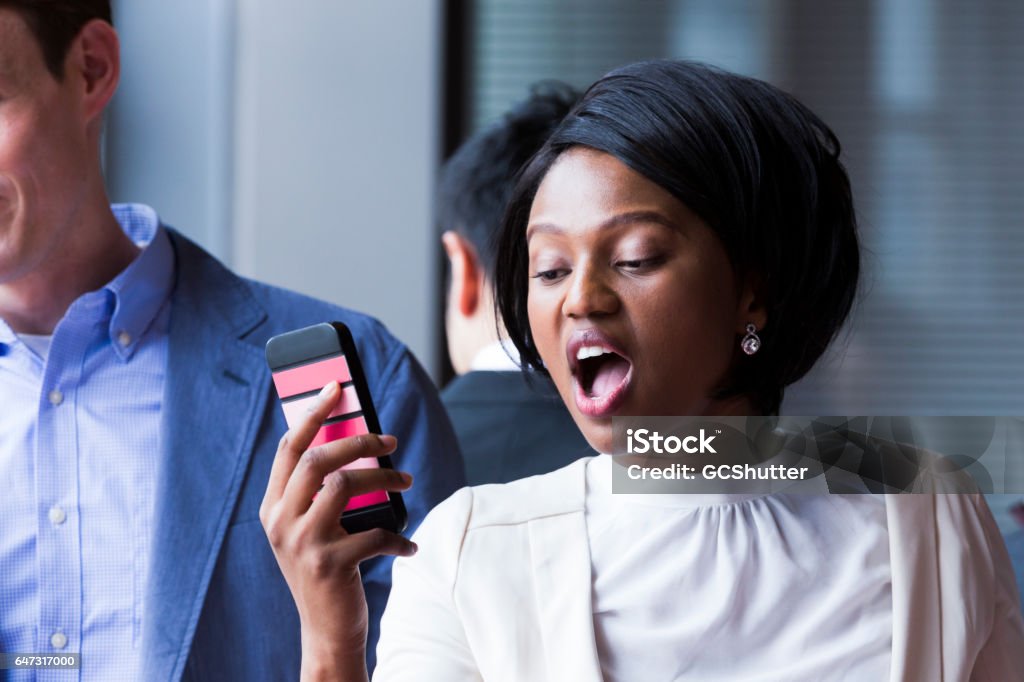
464,297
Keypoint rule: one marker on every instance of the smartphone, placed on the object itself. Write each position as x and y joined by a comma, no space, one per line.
302,362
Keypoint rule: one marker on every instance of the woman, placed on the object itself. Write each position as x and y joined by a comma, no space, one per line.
684,244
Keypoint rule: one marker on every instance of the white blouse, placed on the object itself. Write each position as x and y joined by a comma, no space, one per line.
738,587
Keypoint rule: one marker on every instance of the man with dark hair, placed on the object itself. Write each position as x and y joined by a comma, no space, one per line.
139,422
55,23
508,427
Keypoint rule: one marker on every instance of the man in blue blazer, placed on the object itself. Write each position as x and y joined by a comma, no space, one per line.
139,422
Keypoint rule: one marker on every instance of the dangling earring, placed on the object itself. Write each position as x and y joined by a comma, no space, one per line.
751,343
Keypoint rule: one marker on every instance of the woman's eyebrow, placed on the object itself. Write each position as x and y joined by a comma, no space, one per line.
627,218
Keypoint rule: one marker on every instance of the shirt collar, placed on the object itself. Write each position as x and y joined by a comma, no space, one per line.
497,356
138,293
142,288
7,337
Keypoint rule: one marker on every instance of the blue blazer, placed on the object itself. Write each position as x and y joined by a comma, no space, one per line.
216,605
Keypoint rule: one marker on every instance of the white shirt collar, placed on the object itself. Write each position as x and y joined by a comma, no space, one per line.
499,356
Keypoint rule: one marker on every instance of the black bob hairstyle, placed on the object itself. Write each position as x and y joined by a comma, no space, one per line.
757,166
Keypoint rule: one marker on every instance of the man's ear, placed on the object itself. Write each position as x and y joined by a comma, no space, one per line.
751,308
466,273
94,60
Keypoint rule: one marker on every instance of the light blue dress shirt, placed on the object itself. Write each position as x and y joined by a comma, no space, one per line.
79,444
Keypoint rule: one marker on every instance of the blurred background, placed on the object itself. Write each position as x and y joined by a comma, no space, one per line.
299,142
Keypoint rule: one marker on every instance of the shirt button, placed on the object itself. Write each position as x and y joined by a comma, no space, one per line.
59,640
57,516
56,397
124,338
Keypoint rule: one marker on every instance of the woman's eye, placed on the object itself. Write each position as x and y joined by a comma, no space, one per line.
550,275
639,263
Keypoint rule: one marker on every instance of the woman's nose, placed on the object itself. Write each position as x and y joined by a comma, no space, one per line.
589,294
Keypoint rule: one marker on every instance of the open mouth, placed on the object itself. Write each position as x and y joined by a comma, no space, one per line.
601,373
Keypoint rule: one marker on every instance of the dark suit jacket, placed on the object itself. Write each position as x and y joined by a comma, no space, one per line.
509,429
216,605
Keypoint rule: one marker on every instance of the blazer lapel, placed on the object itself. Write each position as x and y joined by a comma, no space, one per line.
917,615
561,571
216,391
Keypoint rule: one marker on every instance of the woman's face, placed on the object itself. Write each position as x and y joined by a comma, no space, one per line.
633,304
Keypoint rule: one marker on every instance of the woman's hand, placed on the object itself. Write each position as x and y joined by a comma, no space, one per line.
319,560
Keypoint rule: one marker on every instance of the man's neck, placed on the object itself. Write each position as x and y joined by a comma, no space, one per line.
95,253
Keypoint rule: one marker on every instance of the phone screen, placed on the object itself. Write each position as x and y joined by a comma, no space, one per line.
302,362
298,388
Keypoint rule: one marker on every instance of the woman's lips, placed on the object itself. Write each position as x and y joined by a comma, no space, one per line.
602,392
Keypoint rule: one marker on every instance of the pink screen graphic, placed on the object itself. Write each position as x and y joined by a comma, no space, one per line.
313,377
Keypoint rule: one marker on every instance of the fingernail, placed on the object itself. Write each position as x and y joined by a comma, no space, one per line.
327,390
406,477
388,442
415,547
